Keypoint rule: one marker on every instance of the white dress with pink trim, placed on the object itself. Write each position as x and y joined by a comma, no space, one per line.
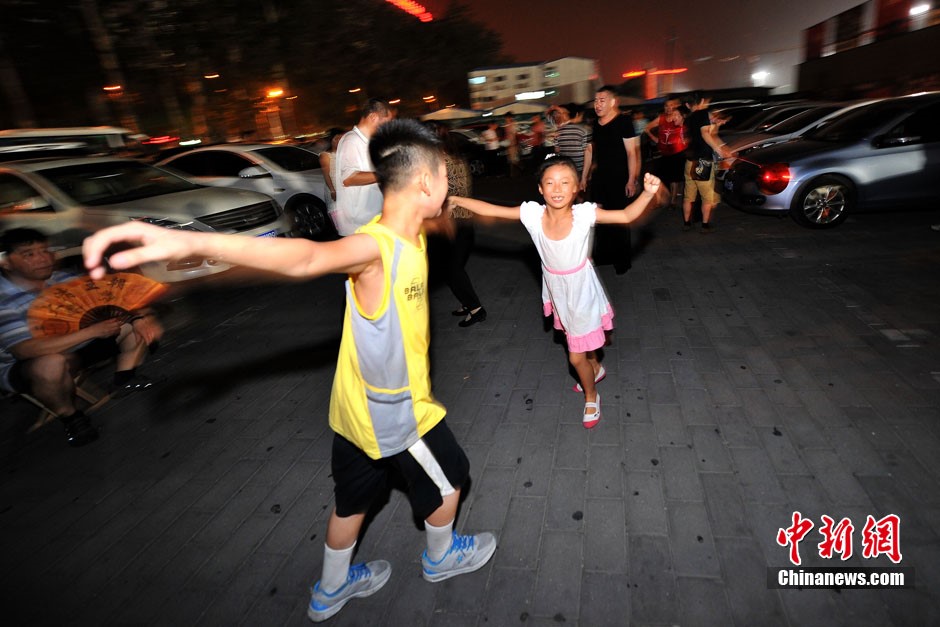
570,287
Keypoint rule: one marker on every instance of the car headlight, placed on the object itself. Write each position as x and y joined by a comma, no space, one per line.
773,178
168,224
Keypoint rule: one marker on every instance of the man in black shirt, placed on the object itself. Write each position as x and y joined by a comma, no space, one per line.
614,155
704,144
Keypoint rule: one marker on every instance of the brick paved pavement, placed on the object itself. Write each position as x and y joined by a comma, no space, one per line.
755,371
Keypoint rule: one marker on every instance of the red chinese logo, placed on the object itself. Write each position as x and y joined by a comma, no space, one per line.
882,537
836,538
879,537
793,534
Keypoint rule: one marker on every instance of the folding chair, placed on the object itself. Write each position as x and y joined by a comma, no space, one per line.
95,400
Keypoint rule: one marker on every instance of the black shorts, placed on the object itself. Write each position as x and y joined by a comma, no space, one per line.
359,480
95,351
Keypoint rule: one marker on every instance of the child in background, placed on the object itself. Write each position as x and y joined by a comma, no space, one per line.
571,290
382,411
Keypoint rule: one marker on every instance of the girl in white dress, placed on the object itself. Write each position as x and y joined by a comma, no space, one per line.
571,290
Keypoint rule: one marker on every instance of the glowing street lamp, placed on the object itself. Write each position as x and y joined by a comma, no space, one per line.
275,92
355,90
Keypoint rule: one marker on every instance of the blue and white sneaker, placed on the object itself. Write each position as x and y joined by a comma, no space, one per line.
361,581
465,555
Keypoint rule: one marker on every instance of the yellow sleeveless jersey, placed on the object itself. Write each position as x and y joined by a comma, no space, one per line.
381,399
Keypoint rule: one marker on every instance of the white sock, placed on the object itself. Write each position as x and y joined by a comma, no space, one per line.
439,539
335,567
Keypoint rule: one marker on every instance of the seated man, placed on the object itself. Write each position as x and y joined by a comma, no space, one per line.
44,367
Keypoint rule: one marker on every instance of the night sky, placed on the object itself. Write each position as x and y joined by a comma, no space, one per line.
721,42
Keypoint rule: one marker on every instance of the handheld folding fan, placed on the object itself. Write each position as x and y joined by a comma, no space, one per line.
75,304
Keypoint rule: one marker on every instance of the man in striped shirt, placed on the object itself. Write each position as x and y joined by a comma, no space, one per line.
572,137
43,366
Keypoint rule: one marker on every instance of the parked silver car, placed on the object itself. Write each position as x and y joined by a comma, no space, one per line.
68,199
790,128
289,174
882,154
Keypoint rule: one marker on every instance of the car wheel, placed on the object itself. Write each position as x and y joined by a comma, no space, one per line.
823,203
309,217
477,167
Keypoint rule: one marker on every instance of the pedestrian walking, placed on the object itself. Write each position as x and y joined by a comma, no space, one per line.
358,197
459,183
612,165
571,290
704,144
385,418
572,137
511,134
327,166
667,132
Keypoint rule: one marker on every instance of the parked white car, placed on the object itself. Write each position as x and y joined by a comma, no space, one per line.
289,174
68,199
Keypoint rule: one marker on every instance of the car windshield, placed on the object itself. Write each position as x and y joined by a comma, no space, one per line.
738,116
779,115
802,120
108,182
291,158
858,123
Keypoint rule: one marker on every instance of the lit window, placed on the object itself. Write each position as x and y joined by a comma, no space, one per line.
477,80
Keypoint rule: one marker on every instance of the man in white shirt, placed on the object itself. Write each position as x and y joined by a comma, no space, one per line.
358,198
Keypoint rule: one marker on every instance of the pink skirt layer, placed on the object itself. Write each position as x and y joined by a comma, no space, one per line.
589,341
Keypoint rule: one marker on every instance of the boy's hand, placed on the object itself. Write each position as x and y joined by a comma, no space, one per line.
154,244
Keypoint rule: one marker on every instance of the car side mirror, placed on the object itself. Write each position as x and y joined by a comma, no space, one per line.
887,141
253,172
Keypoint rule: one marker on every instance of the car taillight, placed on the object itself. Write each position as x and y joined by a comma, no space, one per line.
774,178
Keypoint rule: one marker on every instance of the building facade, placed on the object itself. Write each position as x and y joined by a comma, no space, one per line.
878,48
568,79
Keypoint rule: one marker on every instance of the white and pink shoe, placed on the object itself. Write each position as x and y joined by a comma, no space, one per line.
589,421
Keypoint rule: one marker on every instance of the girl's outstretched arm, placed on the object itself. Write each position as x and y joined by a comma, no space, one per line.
486,209
649,197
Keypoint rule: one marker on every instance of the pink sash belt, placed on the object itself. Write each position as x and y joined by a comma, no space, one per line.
571,271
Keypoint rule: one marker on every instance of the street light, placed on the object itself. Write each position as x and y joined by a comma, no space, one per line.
760,78
273,112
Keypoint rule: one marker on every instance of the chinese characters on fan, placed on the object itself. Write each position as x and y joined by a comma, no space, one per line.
879,537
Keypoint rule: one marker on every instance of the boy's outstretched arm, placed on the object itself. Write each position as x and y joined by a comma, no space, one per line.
486,209
649,197
288,257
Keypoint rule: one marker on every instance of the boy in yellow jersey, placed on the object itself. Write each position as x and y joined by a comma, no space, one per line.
382,411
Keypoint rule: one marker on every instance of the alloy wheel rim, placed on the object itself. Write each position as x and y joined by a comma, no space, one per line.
824,204
308,219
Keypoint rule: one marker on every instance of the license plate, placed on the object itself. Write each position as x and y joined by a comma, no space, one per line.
268,234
